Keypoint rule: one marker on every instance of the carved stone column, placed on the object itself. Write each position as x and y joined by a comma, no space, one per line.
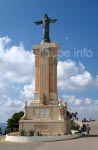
45,73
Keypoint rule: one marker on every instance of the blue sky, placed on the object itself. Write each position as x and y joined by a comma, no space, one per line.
76,30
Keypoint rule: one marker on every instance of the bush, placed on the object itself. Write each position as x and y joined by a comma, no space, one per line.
31,133
13,122
23,132
39,133
65,134
74,126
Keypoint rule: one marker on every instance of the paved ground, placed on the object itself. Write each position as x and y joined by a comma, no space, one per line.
85,143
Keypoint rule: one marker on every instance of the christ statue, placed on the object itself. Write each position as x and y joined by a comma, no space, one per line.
46,23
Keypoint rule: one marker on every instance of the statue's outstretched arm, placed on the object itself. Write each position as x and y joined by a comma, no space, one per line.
53,20
38,22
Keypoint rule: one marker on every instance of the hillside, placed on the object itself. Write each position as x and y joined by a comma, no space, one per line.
3,125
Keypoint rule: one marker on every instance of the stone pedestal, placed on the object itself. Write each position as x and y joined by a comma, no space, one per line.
48,119
45,114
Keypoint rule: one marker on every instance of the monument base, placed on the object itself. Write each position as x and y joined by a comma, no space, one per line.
46,128
48,119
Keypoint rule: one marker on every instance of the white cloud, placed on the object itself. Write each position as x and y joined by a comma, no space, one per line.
87,101
82,80
97,80
72,100
85,107
16,72
3,43
16,64
73,76
9,107
28,92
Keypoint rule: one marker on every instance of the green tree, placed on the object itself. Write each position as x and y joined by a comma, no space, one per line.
72,116
13,122
75,116
69,115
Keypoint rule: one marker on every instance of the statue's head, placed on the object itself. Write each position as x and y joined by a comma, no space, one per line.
46,16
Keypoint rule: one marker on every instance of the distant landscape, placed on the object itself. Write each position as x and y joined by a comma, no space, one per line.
3,125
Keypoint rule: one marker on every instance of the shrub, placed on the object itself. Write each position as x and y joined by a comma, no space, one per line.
31,133
39,133
65,134
23,132
74,126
